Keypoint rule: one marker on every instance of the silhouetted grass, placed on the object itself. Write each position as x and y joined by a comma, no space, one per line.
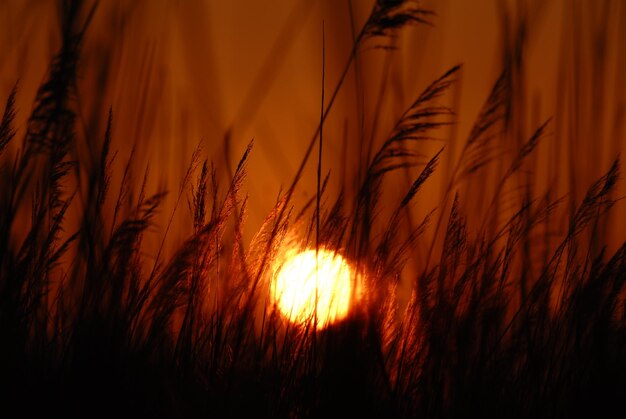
91,326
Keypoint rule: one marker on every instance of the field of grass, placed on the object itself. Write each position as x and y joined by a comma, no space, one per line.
500,295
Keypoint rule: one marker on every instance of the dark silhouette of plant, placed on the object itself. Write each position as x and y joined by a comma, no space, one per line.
93,326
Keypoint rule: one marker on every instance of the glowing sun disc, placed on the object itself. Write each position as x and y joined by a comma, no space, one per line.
293,287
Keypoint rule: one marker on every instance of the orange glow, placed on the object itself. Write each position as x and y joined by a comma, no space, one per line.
295,282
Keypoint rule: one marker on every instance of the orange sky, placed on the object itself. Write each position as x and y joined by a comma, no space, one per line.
181,73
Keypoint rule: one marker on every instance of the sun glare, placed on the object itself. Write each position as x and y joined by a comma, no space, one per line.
296,280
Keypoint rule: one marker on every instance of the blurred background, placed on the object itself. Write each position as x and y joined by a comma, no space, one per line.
178,74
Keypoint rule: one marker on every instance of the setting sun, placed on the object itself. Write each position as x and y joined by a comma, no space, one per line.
295,283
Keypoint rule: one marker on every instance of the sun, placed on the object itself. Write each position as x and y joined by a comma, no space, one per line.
300,285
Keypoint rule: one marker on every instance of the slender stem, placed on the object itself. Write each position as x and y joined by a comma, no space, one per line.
319,185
